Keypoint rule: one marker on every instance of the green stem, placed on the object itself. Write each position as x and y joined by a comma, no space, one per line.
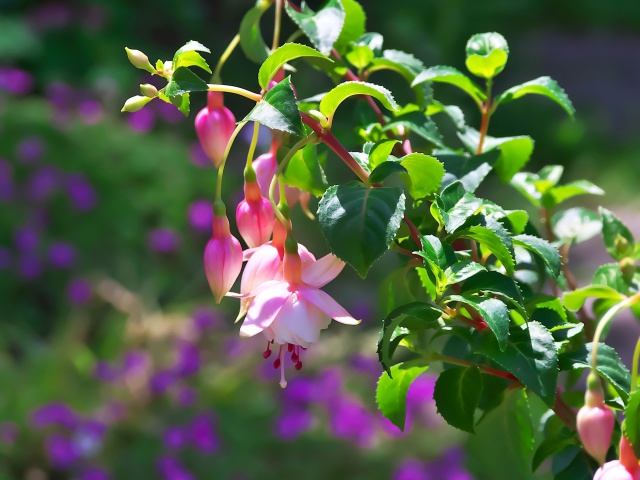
636,360
256,97
253,144
224,57
224,159
604,321
276,25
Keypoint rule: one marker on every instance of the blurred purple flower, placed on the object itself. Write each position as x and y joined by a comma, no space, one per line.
142,120
171,469
106,372
412,470
188,361
9,432
301,390
367,365
450,466
29,266
362,309
87,438
60,95
61,255
6,181
350,420
135,362
201,215
50,15
198,156
187,396
5,258
161,381
54,414
292,423
30,150
95,474
60,450
174,438
80,191
90,111
79,291
43,183
168,112
420,405
163,240
204,318
329,385
202,434
26,238
15,81
94,17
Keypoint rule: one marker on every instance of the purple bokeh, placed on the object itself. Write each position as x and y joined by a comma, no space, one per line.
142,121
29,266
198,156
82,195
30,150
15,81
61,255
61,451
201,215
43,183
54,414
6,181
188,360
163,240
202,434
79,291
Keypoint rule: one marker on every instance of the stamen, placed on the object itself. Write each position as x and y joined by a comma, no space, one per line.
298,365
267,353
290,347
279,360
283,382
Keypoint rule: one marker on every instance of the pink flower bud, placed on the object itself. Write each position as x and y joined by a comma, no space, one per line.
222,258
595,423
254,216
214,125
265,167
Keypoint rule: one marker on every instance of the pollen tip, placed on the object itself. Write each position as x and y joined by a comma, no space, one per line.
283,384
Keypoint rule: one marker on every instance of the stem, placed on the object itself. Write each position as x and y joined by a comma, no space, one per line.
253,144
224,57
464,363
604,321
415,233
564,412
224,159
256,97
276,25
486,111
636,359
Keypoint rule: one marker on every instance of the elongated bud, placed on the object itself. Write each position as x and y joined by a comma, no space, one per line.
628,458
292,263
628,268
222,258
148,90
135,103
595,422
139,60
214,125
254,216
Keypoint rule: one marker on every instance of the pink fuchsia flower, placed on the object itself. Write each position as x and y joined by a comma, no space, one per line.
214,125
254,216
222,256
614,470
292,311
595,422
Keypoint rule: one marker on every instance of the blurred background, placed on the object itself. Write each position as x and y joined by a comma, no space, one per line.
114,361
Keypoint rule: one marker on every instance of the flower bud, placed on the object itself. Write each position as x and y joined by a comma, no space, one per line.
628,268
614,470
265,167
254,216
222,258
628,457
135,103
214,125
148,90
139,60
595,422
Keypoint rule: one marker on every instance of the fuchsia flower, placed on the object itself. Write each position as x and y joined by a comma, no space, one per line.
627,468
595,423
222,256
254,216
214,125
292,311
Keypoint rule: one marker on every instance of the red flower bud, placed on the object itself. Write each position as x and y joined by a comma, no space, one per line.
214,125
595,424
254,216
222,258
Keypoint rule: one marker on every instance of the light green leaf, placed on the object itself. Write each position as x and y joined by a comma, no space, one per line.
283,55
251,40
190,47
360,223
322,27
444,74
408,66
575,300
332,100
438,257
424,174
543,249
456,206
183,81
354,25
304,172
545,86
631,425
457,394
192,58
391,393
493,311
359,56
554,196
487,54
617,238
380,152
278,110
461,271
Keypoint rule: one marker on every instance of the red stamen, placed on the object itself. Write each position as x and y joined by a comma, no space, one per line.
298,366
267,353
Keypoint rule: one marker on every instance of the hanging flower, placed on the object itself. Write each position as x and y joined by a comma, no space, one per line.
214,125
254,216
595,423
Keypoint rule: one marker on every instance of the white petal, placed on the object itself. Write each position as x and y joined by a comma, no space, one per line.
303,320
264,309
328,305
322,271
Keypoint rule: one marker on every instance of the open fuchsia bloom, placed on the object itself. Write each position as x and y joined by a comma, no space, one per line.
292,311
222,256
254,216
627,468
595,422
214,125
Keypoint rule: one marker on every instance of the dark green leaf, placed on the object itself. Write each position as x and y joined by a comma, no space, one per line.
251,40
438,256
457,393
304,172
609,367
385,169
469,170
391,394
530,356
495,239
359,223
283,55
462,271
406,65
418,123
576,225
495,283
455,211
354,24
183,81
547,252
545,86
516,219
575,300
632,421
617,237
493,311
572,463
332,100
424,174
552,445
278,110
444,74
394,291
322,27
487,54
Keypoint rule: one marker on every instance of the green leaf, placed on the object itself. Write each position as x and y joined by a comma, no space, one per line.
283,55
424,174
516,219
543,249
552,445
530,355
391,393
470,171
332,100
617,238
251,40
610,275
462,271
545,86
322,27
576,225
409,67
554,196
495,283
359,56
359,223
496,239
418,123
444,74
278,110
438,257
354,24
380,152
457,394
183,81
189,59
572,463
394,291
190,46
631,425
372,40
456,209
304,172
575,300
424,313
515,152
493,311
609,366
385,169
487,54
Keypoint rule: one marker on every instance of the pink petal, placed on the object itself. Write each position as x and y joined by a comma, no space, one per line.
321,272
264,309
328,305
